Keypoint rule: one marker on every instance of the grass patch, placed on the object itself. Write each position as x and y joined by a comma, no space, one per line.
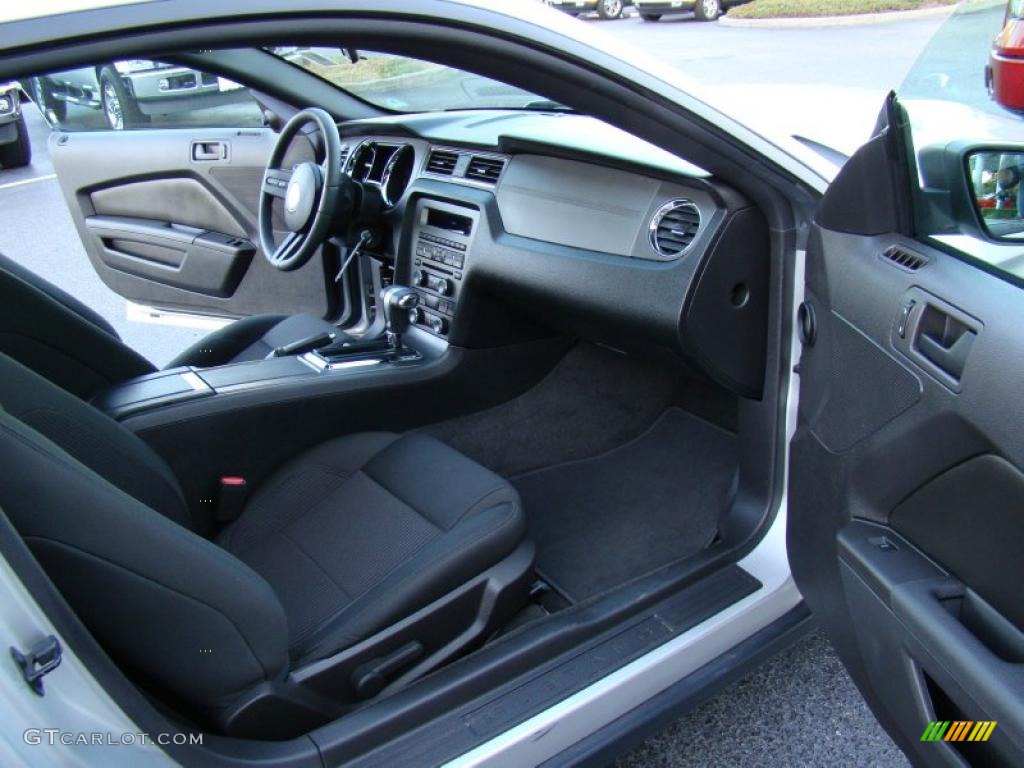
370,69
778,9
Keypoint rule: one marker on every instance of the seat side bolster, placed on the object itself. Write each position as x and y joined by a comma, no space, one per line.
178,639
92,438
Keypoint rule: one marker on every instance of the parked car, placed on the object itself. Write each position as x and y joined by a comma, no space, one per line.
131,92
1004,73
705,10
606,9
15,149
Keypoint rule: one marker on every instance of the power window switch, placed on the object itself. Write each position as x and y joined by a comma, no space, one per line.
883,543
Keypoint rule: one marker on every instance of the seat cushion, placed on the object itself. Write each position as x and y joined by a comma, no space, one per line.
251,338
364,530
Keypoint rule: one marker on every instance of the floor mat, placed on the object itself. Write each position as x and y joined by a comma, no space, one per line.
599,522
592,401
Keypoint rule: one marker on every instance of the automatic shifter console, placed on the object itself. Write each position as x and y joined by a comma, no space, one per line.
399,303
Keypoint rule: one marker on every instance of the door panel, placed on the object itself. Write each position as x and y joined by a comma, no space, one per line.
168,218
192,203
906,491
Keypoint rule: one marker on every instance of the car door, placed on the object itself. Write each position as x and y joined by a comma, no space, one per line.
906,511
161,167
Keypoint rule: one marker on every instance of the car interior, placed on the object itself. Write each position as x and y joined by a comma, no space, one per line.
503,412
502,390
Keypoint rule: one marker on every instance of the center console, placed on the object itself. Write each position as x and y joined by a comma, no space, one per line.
305,358
442,237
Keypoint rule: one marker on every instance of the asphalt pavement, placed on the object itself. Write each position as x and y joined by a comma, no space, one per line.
825,83
799,709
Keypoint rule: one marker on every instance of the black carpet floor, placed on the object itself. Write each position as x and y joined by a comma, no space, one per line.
602,521
592,401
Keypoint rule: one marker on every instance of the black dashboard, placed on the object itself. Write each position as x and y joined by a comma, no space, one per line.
568,224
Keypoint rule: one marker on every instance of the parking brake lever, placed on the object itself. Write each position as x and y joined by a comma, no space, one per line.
303,345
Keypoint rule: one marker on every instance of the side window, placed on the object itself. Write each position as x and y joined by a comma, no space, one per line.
138,93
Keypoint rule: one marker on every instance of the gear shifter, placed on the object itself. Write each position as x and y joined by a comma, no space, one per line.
399,301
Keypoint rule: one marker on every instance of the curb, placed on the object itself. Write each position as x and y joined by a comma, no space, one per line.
806,22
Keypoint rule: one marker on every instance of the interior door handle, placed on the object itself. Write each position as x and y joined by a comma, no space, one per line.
209,150
943,340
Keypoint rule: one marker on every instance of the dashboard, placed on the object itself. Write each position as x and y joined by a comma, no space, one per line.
505,219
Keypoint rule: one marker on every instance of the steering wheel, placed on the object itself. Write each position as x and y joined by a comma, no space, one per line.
310,192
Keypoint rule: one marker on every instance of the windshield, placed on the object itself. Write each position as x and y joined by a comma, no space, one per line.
404,84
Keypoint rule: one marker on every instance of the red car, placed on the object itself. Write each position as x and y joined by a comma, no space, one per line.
1004,75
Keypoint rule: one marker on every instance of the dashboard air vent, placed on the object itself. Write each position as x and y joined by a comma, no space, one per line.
486,169
346,150
904,258
674,227
442,162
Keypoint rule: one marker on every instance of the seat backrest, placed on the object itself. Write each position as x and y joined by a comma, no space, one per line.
93,438
58,337
174,608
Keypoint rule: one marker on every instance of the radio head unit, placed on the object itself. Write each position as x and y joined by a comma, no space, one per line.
441,252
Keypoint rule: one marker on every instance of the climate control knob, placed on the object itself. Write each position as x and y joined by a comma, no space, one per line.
437,324
419,278
443,286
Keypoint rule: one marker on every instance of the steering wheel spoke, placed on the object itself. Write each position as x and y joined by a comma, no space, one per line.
287,247
275,182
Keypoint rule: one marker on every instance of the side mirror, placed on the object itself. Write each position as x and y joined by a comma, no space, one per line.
995,177
974,190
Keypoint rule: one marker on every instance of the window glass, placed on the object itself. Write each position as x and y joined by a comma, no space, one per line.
404,84
967,88
138,93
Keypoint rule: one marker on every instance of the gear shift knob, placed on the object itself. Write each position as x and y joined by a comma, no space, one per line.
398,301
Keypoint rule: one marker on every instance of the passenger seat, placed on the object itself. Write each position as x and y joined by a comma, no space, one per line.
345,541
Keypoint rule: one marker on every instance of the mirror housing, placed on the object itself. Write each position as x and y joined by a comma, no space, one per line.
964,191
